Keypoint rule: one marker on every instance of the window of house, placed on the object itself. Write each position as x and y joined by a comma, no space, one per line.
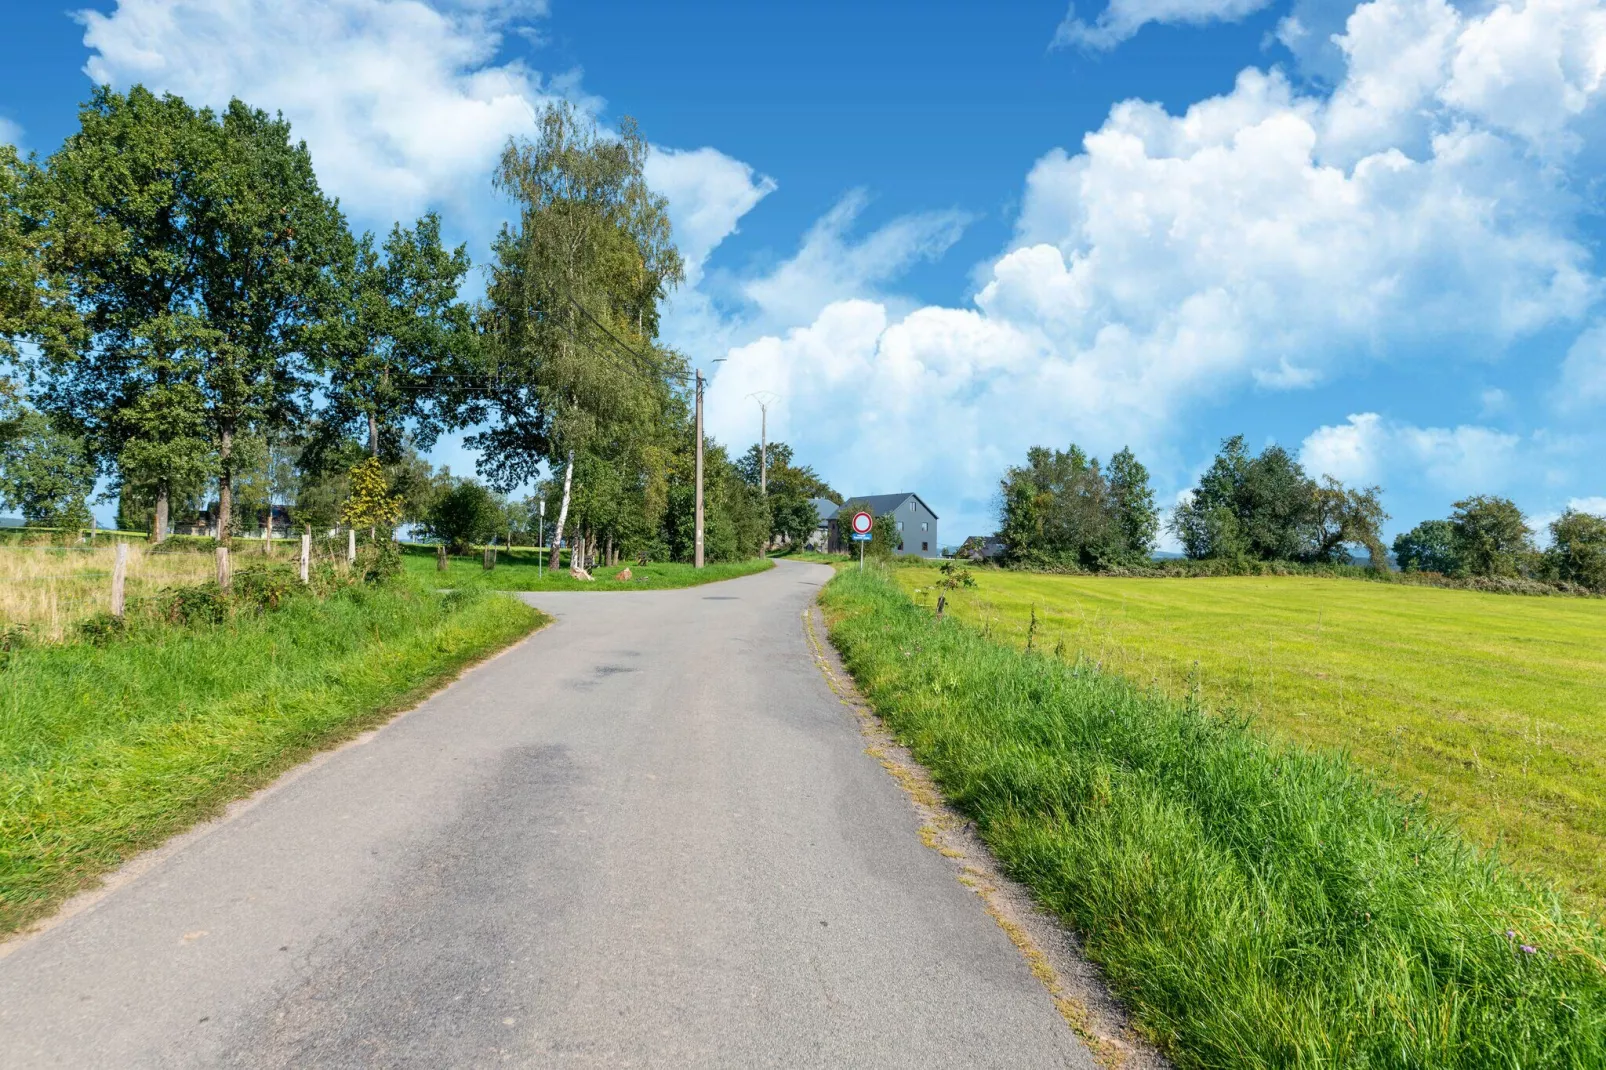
924,547
900,546
900,525
925,525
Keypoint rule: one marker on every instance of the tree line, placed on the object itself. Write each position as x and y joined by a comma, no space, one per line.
187,315
1066,509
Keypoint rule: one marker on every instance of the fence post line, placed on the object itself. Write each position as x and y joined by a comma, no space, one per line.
306,554
225,577
119,573
440,557
351,546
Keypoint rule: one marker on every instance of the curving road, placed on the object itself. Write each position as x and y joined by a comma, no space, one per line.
647,836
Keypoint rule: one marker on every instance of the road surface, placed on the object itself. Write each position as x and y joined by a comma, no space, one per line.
647,836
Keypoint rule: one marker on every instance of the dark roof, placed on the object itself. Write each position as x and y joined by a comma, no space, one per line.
882,504
824,508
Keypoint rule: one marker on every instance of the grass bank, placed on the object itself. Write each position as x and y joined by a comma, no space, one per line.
1255,904
518,570
109,749
1492,707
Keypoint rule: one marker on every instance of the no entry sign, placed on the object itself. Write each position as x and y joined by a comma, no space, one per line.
863,525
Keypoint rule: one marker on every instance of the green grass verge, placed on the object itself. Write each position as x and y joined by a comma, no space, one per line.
1255,904
107,750
1490,706
517,570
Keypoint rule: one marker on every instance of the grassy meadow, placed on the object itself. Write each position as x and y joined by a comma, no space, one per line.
109,748
46,589
1254,904
1493,707
518,570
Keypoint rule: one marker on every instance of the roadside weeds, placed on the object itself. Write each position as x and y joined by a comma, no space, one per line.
1051,952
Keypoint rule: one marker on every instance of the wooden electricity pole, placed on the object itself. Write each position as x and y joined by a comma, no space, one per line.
697,554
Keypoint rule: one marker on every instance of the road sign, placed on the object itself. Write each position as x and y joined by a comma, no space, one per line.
863,525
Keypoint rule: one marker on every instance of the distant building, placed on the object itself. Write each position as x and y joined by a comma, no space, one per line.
917,524
820,538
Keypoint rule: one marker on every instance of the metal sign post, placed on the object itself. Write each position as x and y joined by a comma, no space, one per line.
540,533
863,525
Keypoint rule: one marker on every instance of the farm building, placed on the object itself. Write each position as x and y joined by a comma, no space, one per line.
917,524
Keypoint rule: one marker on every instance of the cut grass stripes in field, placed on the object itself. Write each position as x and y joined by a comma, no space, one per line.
1255,904
107,750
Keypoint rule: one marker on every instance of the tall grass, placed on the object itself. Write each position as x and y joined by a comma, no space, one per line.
1255,904
108,749
47,589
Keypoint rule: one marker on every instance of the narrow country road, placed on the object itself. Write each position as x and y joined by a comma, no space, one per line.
647,837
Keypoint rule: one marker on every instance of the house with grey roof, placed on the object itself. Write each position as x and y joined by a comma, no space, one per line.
820,538
917,524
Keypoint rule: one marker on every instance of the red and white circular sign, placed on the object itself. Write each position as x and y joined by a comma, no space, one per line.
863,523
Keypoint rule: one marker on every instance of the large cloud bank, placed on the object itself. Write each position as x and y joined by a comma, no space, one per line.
1267,239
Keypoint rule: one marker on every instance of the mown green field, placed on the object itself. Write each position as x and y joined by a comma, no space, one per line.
108,749
517,570
1492,706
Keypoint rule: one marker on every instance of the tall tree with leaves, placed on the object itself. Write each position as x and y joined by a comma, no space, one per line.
266,243
109,212
395,341
573,301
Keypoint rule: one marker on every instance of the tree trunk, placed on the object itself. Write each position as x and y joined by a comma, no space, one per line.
563,512
225,485
160,531
373,435
608,557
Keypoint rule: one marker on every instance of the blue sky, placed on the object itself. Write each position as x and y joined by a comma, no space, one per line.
943,232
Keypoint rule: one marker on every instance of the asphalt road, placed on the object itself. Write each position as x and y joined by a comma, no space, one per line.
647,836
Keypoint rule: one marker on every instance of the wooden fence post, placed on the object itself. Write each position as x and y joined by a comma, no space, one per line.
225,576
490,558
440,557
942,601
119,573
306,555
267,536
351,546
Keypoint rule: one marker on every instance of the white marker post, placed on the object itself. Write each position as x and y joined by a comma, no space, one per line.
863,525
540,534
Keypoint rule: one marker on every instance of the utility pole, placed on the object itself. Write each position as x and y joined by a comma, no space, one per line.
765,399
697,556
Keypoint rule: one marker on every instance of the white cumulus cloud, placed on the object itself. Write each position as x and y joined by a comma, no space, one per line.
1451,460
401,102
1124,18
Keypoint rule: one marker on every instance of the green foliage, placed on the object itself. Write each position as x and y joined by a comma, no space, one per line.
464,515
1491,536
1266,508
955,576
371,505
1253,904
1428,547
43,472
573,300
395,343
1060,507
791,489
1577,552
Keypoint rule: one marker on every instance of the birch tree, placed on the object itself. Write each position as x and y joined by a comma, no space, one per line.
572,308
